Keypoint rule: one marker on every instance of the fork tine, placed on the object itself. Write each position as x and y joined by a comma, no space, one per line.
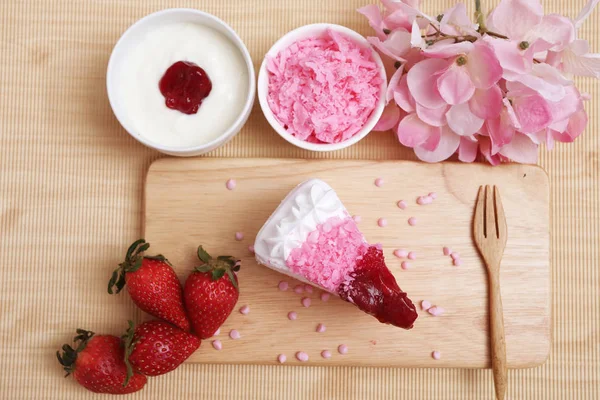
490,215
500,217
479,215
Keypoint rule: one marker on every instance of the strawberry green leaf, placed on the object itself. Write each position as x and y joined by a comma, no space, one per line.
203,255
204,268
224,258
129,345
132,248
136,265
233,279
217,274
237,267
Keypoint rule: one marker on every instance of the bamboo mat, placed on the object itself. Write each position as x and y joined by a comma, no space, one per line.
71,195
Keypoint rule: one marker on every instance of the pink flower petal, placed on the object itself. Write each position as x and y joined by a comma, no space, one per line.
402,96
484,68
514,121
533,112
421,85
555,29
485,148
486,103
521,149
513,60
389,118
500,131
375,19
434,117
467,151
413,132
566,107
577,124
433,140
456,21
447,49
447,146
546,83
416,40
462,121
378,44
455,85
393,84
515,18
581,65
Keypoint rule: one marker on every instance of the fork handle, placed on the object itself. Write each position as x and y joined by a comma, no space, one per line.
497,335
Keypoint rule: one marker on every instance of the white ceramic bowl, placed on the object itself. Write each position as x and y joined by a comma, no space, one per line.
263,83
131,38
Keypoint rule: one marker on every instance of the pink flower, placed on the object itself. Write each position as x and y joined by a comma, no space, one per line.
498,90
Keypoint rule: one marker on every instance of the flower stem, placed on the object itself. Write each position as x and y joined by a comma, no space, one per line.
479,17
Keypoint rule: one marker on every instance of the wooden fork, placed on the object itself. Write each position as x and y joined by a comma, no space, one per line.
489,233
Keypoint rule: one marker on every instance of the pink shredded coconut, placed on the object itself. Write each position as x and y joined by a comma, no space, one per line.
323,89
329,254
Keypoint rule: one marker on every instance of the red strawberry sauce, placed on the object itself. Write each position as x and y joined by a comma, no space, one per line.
184,86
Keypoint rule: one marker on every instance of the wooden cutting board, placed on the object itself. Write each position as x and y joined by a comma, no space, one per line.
187,204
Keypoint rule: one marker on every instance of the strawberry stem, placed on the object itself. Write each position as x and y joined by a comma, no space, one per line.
69,355
218,267
133,262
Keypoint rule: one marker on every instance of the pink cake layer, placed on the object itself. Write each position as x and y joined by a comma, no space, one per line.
329,254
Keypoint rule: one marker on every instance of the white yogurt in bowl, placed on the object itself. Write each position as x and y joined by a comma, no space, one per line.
140,60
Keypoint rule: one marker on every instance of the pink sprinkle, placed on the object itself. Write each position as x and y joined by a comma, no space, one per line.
281,358
245,310
251,249
326,354
343,349
373,342
230,184
325,296
308,288
299,289
454,255
321,328
405,265
356,218
422,200
239,236
412,255
283,286
217,344
402,204
292,315
425,305
379,182
217,332
457,262
436,355
446,251
436,311
302,356
400,253
433,195
234,334
306,302
382,222
412,221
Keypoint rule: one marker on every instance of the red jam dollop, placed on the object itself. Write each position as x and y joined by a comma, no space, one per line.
373,289
184,86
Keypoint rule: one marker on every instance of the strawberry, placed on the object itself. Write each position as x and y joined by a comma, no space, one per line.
152,285
210,292
98,364
156,347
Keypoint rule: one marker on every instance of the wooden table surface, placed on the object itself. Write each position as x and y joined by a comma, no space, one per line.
71,184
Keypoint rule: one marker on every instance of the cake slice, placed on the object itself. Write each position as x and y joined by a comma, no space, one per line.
312,238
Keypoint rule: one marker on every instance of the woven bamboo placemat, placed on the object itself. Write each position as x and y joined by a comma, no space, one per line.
71,192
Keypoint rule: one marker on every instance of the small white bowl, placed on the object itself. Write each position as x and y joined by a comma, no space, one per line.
131,38
263,86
